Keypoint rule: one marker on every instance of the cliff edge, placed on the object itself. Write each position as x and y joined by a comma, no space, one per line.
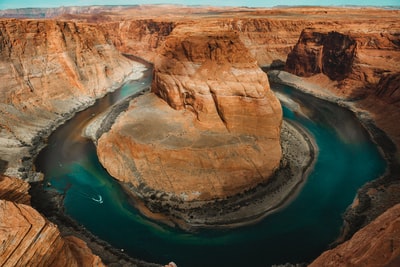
49,70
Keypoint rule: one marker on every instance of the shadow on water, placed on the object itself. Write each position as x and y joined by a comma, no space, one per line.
298,233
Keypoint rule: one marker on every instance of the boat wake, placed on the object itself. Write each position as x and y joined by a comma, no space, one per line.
95,196
99,199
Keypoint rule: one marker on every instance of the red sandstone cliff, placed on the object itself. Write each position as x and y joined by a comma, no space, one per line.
47,70
330,53
212,74
269,34
28,239
140,37
356,60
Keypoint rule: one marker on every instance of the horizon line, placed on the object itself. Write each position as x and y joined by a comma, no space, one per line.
205,5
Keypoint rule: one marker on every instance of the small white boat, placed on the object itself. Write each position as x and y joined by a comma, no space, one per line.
99,199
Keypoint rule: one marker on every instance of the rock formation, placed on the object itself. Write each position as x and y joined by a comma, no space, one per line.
13,189
211,132
140,37
330,53
29,239
377,244
356,60
49,69
388,88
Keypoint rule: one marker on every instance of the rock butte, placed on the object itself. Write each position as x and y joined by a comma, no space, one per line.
214,132
42,82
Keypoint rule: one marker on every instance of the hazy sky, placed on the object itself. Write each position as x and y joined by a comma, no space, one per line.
4,4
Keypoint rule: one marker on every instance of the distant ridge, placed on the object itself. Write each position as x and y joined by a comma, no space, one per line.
51,12
43,13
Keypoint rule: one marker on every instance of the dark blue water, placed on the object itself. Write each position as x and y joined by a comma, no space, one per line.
298,233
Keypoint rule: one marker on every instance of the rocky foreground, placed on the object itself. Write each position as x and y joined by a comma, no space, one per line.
352,52
28,238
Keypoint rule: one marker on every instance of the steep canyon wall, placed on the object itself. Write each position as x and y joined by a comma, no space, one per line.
48,70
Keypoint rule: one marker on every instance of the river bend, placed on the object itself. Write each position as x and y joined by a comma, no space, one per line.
298,233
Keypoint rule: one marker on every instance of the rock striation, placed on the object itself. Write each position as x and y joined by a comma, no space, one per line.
140,37
330,53
388,88
14,189
48,70
209,130
29,239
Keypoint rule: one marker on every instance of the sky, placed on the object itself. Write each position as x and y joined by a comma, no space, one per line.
5,4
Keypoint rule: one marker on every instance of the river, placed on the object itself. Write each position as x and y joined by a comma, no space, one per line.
298,233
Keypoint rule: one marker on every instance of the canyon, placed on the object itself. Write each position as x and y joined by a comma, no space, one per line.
206,64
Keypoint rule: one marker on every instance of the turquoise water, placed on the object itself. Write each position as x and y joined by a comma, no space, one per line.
298,233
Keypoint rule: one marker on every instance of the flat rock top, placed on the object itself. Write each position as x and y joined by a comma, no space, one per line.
165,150
152,121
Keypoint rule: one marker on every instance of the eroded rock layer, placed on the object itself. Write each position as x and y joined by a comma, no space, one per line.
355,59
210,130
14,189
28,239
49,69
